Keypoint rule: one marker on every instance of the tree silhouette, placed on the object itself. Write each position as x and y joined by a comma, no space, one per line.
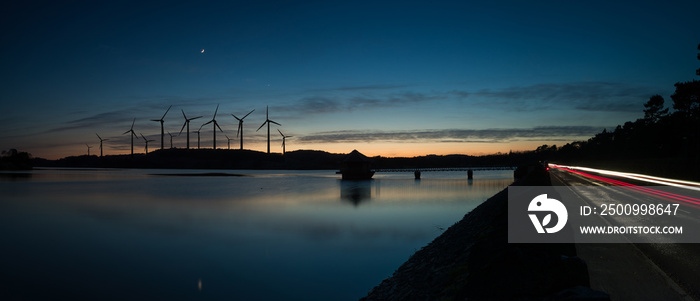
686,99
14,160
697,71
654,109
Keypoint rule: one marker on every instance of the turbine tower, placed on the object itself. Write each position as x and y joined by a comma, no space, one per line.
98,136
284,139
228,141
171,139
268,121
197,131
187,122
161,126
89,147
133,134
240,126
144,139
216,125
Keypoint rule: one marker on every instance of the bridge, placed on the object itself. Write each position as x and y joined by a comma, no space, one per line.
417,171
443,169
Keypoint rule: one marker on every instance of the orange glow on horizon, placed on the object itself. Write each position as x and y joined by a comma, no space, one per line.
370,149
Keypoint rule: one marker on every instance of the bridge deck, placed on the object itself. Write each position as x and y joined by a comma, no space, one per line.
442,169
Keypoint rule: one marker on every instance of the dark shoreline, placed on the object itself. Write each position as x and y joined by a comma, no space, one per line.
472,260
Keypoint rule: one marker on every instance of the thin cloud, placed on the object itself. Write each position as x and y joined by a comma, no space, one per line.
360,88
319,104
587,96
555,133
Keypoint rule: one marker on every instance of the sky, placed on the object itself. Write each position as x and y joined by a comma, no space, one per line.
390,78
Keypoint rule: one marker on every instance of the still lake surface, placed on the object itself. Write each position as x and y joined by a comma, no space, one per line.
268,235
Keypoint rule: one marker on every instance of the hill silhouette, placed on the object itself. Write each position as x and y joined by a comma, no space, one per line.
248,159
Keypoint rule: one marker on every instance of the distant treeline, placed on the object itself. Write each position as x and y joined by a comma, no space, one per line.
15,160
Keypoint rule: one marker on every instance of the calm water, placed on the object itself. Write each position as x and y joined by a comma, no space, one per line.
271,235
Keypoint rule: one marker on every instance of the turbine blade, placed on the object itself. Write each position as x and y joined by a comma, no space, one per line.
210,121
288,136
217,125
217,110
275,122
261,126
126,132
280,132
246,115
234,116
239,129
98,136
144,138
183,127
132,123
195,117
155,119
183,114
166,112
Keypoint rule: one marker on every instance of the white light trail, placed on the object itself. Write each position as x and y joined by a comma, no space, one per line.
641,177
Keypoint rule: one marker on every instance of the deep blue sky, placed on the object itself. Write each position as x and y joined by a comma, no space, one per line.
384,77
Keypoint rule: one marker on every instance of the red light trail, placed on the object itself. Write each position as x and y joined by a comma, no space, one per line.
642,189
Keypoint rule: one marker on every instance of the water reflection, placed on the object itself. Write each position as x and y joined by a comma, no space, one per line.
240,234
355,192
15,176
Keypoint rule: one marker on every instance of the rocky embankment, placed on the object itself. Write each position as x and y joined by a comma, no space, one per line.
472,260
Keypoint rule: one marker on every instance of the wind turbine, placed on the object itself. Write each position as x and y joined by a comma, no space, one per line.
98,136
144,139
89,147
216,125
240,126
187,122
133,134
161,126
197,131
171,139
284,138
268,121
229,141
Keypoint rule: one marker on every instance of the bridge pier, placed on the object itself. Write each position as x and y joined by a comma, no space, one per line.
470,174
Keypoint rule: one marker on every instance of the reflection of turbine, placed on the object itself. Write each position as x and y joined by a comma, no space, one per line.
98,136
216,125
161,126
228,141
89,147
144,139
131,130
268,121
284,139
240,126
187,122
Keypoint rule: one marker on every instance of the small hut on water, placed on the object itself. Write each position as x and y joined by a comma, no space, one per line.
356,166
